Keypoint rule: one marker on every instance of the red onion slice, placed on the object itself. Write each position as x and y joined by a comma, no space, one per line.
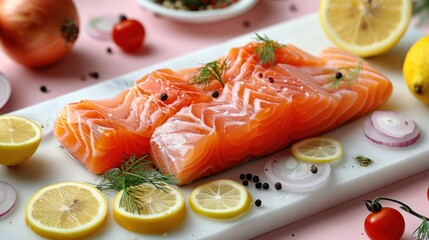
5,90
7,197
101,27
296,175
392,124
384,138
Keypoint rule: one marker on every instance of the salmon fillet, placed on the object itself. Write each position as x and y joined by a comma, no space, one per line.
190,134
264,113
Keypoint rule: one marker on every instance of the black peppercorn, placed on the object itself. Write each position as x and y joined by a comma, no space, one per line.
278,186
313,168
258,202
338,75
215,94
255,179
242,176
258,185
265,186
249,176
44,89
245,183
163,96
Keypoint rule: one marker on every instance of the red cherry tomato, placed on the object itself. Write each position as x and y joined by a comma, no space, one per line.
388,223
128,34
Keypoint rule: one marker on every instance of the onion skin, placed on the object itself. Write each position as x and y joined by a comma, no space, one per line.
38,33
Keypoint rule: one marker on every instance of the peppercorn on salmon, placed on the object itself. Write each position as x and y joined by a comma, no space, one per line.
258,108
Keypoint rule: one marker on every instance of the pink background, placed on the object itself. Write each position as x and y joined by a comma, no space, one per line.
167,39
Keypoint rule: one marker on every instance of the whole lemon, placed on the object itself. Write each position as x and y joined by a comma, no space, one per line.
416,69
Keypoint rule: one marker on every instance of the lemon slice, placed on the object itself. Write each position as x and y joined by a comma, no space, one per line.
220,199
67,210
19,139
158,211
365,27
317,150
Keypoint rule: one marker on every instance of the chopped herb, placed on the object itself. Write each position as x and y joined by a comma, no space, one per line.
211,71
363,161
128,175
266,51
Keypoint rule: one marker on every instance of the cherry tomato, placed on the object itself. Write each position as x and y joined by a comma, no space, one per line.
388,223
128,34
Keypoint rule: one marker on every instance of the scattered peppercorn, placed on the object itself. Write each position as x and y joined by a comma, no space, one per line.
293,8
95,75
313,168
278,185
249,176
265,186
258,202
242,176
245,183
44,89
163,96
255,179
215,94
258,185
109,50
338,75
246,23
271,79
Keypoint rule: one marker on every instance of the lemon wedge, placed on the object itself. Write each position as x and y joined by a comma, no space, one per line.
220,199
317,150
150,210
19,139
67,210
365,27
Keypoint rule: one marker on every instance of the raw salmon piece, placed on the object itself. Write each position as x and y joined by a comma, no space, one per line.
102,133
264,113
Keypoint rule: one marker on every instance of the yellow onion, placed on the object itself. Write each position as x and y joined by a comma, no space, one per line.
37,33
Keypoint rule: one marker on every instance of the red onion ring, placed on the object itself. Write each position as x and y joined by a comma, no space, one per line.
5,90
7,197
391,129
295,175
101,27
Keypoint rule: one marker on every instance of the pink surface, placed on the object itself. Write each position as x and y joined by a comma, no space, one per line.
167,39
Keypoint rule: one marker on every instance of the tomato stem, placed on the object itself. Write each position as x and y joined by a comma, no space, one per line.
375,206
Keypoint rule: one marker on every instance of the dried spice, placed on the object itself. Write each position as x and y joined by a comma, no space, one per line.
363,161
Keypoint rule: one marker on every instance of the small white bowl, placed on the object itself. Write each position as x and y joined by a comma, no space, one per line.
204,16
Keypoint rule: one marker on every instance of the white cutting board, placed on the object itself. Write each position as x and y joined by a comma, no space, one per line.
51,164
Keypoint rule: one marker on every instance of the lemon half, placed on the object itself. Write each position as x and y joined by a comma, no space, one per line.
19,139
67,210
365,27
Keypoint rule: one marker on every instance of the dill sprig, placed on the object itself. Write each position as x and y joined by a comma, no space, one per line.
348,75
266,51
128,176
211,71
422,232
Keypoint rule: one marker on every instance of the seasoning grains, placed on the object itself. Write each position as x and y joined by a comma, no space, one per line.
192,5
363,161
